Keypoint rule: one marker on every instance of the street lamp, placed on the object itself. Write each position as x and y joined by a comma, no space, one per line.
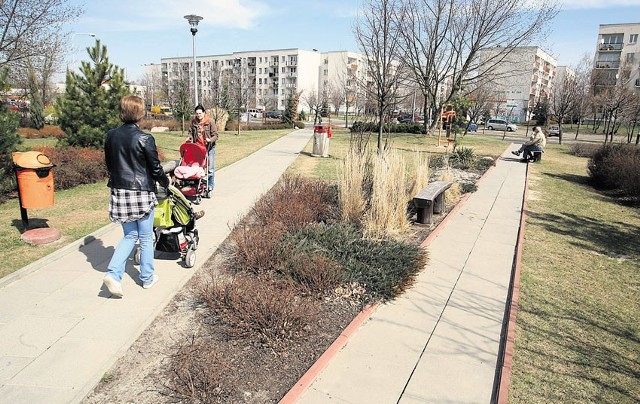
193,22
73,52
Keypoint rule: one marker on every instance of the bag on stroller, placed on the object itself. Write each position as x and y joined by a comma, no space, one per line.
174,226
192,171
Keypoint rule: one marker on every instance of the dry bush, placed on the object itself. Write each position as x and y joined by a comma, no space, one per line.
197,374
420,173
351,177
387,215
147,123
316,273
454,192
258,307
46,132
75,165
584,149
295,202
256,248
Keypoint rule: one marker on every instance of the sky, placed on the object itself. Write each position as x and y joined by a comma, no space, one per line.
138,32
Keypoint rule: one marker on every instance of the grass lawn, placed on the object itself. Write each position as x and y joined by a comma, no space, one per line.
82,210
578,322
326,168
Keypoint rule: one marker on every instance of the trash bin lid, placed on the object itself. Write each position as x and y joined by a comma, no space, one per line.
31,159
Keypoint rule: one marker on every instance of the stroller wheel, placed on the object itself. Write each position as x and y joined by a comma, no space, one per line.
190,258
136,255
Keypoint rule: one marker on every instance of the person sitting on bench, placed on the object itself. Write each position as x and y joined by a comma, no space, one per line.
536,142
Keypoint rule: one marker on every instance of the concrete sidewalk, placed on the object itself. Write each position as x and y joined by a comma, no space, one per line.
59,329
438,342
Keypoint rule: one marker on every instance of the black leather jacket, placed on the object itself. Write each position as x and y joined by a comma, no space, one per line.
132,159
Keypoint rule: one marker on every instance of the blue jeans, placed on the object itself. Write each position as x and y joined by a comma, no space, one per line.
212,175
141,229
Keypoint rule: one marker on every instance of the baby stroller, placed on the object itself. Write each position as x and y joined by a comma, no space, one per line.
192,171
174,226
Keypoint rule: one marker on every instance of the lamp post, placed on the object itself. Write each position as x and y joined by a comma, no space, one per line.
73,51
193,22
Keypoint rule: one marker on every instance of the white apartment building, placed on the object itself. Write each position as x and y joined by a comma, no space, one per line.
267,78
519,81
617,56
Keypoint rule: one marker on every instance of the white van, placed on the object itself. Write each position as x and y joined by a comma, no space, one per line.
500,124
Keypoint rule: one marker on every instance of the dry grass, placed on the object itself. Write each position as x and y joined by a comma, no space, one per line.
351,176
387,214
578,323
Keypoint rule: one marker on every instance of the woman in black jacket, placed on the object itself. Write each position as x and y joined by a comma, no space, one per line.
132,161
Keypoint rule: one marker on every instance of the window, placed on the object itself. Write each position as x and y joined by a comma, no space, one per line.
282,69
633,38
630,57
282,58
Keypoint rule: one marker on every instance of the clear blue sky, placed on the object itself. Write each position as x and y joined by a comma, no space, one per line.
144,31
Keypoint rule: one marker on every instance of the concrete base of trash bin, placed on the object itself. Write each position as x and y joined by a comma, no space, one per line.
43,235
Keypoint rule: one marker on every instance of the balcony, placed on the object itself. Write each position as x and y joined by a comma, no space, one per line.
637,82
610,47
608,65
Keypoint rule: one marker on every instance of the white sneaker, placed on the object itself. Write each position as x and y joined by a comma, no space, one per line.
149,285
115,288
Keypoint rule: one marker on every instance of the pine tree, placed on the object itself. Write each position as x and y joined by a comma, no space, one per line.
36,107
9,139
88,108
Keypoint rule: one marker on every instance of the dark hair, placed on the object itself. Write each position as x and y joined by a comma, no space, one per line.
131,109
199,106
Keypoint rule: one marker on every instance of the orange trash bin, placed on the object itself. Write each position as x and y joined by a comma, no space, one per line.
34,174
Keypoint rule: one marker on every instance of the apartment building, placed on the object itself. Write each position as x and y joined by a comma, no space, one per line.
617,56
518,81
265,79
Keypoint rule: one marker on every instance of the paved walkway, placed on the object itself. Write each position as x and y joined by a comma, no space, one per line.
439,342
59,329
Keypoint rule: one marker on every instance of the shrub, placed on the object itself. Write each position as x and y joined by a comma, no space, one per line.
385,268
584,149
258,307
314,272
75,165
616,167
299,124
462,157
256,248
391,127
148,123
46,132
198,374
296,201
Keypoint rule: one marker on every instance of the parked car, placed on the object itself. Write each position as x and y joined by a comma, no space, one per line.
501,124
554,130
415,119
273,114
473,127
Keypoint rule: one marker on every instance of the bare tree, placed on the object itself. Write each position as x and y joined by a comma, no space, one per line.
378,38
336,96
27,26
442,39
563,99
314,102
582,90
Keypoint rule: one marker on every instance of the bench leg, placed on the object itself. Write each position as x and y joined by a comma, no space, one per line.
438,204
425,214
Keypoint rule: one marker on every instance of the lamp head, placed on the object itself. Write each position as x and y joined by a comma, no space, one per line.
193,22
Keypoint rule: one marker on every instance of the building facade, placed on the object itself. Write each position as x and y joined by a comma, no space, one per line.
617,56
519,81
265,79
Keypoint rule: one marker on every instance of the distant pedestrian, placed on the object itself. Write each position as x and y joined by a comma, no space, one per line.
132,161
537,142
203,131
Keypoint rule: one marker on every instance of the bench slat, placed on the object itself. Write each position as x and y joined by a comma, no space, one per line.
432,190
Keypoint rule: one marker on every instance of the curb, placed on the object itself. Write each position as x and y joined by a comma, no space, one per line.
509,344
312,373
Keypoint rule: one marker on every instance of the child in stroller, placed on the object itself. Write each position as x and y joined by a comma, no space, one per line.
174,226
192,171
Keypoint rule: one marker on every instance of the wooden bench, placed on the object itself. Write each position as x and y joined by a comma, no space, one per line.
536,156
430,200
